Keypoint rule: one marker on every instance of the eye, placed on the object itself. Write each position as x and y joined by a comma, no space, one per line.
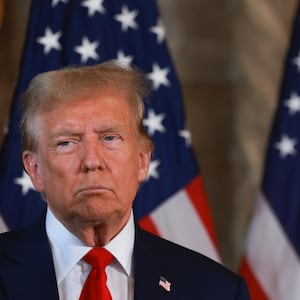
63,143
111,141
110,138
65,146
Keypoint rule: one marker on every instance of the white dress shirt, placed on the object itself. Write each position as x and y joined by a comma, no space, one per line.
71,271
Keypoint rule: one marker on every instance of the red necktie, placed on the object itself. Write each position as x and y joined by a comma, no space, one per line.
95,286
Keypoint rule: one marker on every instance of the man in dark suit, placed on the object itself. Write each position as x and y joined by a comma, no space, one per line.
86,152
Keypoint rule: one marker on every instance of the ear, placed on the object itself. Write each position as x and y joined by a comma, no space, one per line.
31,166
145,157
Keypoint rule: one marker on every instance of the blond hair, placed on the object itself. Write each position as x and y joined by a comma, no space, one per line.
48,89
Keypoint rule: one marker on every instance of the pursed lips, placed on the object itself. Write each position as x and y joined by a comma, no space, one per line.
92,189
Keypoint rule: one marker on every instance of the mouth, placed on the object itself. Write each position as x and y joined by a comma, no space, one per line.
93,189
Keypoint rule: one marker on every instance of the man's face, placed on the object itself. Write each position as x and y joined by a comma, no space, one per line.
89,161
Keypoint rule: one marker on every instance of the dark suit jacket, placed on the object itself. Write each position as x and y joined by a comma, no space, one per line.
27,270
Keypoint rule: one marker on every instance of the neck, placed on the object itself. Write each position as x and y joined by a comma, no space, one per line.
99,234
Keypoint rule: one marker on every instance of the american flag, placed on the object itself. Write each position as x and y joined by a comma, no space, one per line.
172,201
272,261
164,283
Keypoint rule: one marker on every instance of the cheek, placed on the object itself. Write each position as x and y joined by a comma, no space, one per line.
131,174
56,172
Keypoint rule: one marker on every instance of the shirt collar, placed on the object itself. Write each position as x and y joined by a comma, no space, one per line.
121,246
68,250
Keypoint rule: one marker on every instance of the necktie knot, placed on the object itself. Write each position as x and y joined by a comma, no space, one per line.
98,258
95,286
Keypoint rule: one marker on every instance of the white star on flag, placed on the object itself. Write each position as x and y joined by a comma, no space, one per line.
159,76
153,169
50,40
87,50
154,122
160,31
296,61
127,18
286,146
293,103
93,6
25,183
186,135
55,2
124,60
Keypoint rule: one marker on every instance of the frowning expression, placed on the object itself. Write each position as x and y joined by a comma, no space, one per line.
89,160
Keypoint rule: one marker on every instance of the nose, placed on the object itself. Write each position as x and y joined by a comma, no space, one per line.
92,159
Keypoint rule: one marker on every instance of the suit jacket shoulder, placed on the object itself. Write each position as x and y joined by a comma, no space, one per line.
26,264
191,275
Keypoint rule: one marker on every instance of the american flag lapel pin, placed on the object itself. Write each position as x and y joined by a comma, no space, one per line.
164,283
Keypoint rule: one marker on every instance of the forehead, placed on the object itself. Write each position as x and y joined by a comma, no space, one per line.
90,97
104,108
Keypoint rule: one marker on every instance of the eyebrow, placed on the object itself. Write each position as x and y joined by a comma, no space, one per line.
79,132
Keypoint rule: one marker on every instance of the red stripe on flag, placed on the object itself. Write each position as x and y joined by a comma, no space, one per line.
197,195
147,224
255,289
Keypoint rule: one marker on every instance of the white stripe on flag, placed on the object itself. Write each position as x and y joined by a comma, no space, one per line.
271,257
3,227
177,221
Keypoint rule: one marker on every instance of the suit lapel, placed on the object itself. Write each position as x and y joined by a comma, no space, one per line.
29,263
149,268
